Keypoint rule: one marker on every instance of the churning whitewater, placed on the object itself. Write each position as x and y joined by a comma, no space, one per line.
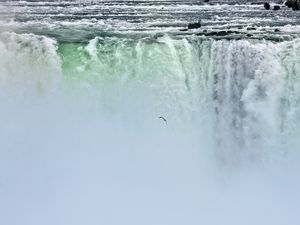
113,112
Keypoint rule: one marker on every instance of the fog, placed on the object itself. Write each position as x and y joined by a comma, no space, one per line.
62,166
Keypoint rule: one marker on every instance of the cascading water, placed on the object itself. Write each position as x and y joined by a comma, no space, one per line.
245,89
81,141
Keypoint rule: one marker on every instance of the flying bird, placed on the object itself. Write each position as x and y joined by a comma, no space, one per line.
164,119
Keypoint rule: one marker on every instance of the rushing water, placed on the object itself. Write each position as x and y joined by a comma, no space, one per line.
82,87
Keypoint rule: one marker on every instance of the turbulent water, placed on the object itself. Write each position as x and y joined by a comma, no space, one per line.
82,87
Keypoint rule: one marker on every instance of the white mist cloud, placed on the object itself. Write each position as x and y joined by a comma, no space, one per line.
59,166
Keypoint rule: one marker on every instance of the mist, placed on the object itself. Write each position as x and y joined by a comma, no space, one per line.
61,166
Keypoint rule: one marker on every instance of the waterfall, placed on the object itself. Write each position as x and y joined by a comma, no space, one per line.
244,92
82,141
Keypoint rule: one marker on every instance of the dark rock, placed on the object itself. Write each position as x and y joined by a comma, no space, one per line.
183,30
295,7
267,6
157,35
222,33
206,0
276,30
194,25
288,4
251,28
205,31
292,3
276,7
